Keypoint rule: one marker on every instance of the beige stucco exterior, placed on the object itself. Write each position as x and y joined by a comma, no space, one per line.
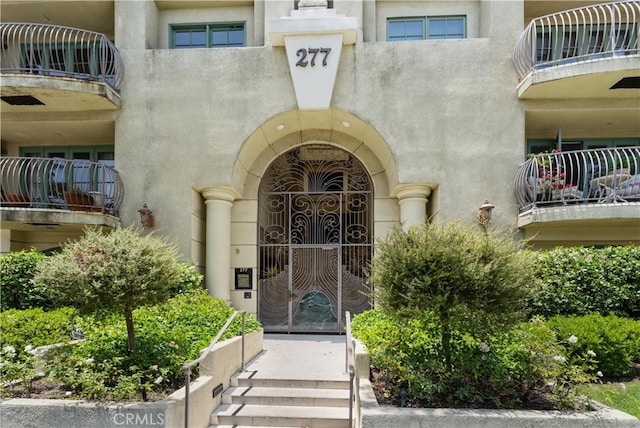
195,119
440,125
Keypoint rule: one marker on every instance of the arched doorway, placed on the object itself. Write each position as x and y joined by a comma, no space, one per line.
315,239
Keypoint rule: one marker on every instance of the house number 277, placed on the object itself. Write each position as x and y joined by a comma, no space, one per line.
313,53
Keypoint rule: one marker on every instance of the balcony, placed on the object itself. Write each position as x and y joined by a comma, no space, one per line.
581,191
587,52
55,68
54,192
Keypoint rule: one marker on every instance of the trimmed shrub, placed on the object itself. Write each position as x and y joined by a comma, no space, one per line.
498,371
473,282
580,281
613,342
118,271
17,290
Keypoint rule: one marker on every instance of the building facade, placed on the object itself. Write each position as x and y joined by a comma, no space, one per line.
276,141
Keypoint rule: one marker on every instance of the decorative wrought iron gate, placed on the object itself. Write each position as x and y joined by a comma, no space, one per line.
315,240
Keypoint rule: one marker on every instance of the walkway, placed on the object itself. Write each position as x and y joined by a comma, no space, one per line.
295,356
297,381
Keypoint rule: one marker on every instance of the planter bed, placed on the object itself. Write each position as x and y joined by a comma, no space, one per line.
217,368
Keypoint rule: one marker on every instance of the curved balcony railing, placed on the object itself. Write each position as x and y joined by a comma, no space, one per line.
52,50
62,184
580,34
582,176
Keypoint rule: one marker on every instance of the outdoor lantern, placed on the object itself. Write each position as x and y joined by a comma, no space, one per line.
146,216
484,216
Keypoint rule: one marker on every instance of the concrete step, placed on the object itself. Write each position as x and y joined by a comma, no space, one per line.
322,397
248,379
280,416
242,426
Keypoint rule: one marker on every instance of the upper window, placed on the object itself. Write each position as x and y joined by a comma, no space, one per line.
450,27
217,35
405,29
437,27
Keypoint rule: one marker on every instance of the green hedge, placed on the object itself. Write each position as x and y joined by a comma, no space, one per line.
613,342
580,281
17,290
31,328
498,371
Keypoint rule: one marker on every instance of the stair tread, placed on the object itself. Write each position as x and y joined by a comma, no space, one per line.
259,391
298,412
317,377
244,426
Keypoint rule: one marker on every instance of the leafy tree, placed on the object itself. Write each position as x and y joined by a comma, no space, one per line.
118,271
473,282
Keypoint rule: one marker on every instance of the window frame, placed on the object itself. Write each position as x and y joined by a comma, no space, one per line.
463,18
405,20
426,20
209,29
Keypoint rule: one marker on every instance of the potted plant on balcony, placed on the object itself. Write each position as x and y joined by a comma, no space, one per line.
16,200
78,200
620,166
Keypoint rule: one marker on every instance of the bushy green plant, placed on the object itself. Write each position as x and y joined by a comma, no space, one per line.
497,371
581,280
22,332
188,279
17,290
473,282
15,369
169,335
613,342
31,328
118,271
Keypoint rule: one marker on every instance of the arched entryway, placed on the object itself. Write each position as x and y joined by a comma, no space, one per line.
315,205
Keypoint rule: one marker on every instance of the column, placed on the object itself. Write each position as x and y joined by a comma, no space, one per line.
413,200
218,201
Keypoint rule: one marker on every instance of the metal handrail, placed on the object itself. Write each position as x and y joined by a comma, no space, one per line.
54,50
57,183
186,369
579,34
583,176
350,365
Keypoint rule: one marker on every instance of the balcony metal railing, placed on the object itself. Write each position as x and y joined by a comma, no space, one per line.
582,176
52,50
580,34
61,184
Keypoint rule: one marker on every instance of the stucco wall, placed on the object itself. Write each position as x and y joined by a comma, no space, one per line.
187,113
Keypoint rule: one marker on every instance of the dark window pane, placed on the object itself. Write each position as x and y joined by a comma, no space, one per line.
396,29
182,38
236,37
437,27
198,38
455,27
219,38
414,29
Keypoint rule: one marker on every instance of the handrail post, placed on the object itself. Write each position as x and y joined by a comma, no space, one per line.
350,364
244,314
187,379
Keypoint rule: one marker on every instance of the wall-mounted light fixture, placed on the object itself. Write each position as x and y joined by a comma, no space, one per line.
146,216
484,214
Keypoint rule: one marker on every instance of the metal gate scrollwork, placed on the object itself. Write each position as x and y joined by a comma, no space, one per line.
315,229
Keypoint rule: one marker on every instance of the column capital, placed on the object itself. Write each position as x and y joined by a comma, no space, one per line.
219,194
412,191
